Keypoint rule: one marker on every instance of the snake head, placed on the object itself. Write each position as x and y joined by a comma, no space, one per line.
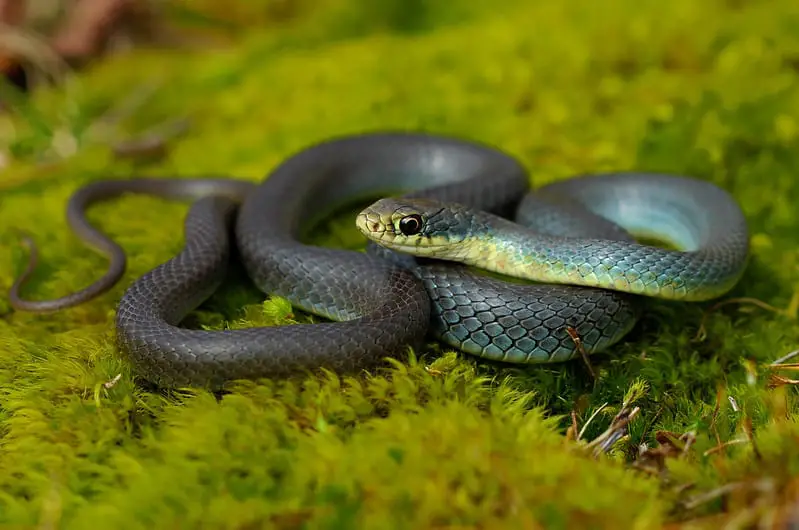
421,227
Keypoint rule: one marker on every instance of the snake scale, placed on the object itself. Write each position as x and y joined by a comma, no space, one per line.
449,205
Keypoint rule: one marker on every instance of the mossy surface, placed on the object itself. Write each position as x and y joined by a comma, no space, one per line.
442,440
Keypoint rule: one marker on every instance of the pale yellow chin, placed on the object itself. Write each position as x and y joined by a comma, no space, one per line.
376,230
414,247
423,250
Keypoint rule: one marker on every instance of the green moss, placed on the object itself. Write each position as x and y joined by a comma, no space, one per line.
710,89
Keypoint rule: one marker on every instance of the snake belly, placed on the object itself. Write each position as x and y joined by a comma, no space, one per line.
378,302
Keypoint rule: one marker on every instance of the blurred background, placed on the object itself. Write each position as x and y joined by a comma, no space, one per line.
47,44
544,79
39,38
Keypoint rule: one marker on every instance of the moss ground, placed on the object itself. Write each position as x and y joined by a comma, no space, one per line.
442,440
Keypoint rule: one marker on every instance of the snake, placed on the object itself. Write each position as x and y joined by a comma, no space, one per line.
459,248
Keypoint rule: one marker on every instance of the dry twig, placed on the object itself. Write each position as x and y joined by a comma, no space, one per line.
578,344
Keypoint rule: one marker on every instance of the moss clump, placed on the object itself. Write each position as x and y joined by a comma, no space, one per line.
708,89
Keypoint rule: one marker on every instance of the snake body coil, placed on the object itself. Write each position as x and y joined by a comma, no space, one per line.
380,302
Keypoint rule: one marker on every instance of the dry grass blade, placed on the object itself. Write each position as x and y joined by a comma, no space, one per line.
784,358
708,496
588,422
723,445
615,432
39,60
774,380
701,333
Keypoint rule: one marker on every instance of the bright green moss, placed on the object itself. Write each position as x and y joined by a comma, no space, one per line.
710,89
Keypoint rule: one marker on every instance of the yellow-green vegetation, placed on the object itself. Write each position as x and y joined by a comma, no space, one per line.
442,440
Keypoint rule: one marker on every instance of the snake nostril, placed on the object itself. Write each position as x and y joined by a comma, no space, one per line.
374,226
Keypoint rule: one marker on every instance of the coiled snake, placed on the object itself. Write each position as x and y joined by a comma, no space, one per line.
457,197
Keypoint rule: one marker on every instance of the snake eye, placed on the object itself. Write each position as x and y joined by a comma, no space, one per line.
411,225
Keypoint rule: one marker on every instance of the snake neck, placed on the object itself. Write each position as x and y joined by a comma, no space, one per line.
502,246
505,247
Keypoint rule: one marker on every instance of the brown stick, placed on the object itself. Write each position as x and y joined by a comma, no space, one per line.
87,27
